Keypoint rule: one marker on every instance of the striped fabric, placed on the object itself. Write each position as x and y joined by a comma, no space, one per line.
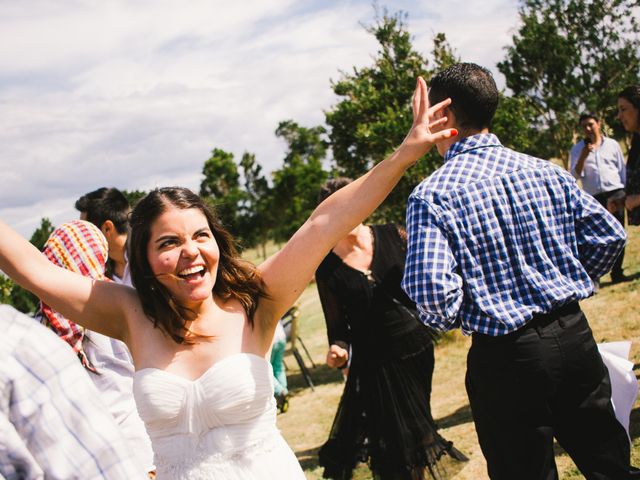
54,424
78,246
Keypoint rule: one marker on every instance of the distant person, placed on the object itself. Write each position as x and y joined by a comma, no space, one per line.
629,116
598,162
280,389
80,247
384,416
54,425
504,246
109,209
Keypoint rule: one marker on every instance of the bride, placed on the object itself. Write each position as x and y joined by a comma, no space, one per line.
200,322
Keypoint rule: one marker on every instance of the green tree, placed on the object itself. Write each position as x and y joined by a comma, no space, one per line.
255,217
444,55
134,196
513,124
19,297
6,286
374,111
570,56
221,187
296,184
42,233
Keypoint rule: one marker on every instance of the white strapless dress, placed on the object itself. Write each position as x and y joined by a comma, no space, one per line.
220,426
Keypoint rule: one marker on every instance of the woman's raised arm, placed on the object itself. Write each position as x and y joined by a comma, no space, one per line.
287,273
94,304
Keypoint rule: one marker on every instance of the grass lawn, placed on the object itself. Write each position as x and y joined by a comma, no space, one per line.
613,315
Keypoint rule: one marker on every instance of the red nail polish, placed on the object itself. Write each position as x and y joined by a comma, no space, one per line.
454,132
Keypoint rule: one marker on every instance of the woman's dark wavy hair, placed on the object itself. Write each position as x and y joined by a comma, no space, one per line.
236,278
632,95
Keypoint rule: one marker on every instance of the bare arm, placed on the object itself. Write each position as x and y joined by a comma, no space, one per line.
96,305
287,272
599,236
337,325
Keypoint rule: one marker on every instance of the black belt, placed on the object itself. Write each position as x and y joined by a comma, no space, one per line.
539,320
544,319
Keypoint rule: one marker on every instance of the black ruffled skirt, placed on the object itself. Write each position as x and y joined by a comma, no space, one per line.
384,417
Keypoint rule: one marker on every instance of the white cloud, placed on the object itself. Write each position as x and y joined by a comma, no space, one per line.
136,94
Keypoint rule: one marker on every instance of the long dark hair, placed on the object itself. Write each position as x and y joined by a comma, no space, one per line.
632,95
236,278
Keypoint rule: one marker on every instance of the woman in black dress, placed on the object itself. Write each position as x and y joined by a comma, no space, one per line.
384,415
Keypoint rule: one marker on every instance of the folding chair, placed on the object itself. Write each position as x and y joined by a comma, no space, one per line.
290,324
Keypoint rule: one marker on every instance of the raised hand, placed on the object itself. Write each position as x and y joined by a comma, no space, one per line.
421,138
287,272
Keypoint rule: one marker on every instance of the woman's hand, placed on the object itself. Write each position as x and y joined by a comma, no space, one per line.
632,201
337,356
615,205
421,137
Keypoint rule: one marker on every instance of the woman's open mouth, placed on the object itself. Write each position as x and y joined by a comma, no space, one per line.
192,273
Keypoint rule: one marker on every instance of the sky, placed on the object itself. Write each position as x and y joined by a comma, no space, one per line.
136,94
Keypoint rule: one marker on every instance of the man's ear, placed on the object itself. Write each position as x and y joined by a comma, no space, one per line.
107,228
440,113
451,117
445,112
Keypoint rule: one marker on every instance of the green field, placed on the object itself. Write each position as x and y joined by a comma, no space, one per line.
613,314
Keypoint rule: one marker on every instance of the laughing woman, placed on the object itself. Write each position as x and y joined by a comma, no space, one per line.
200,322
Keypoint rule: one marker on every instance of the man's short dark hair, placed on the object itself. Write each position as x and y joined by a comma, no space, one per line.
587,115
105,204
473,93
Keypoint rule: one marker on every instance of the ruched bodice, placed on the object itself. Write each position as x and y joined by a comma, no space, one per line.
221,425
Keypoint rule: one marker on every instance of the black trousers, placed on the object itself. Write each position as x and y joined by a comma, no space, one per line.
602,198
543,381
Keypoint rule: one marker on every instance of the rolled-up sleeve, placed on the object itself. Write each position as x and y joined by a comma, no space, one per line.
599,235
430,277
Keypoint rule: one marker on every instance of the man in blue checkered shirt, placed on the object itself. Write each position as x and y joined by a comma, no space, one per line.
504,245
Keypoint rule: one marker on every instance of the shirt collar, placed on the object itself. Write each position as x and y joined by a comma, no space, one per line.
467,144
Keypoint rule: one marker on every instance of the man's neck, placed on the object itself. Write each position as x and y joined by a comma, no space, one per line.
596,139
118,268
471,132
463,133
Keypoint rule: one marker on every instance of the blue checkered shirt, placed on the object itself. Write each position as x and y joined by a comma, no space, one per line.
496,236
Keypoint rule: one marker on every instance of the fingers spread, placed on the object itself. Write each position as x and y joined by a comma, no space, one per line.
439,106
444,134
440,121
417,98
423,110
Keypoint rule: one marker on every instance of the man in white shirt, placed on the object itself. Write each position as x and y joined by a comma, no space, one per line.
598,163
108,209
53,424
